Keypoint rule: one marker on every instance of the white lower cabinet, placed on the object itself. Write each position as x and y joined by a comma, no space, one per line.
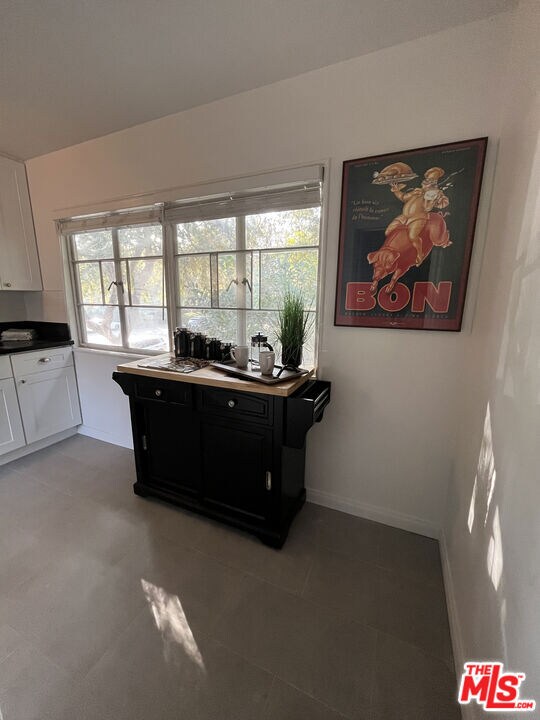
11,429
49,402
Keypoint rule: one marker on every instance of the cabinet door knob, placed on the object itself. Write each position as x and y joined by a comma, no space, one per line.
158,393
22,382
232,403
7,284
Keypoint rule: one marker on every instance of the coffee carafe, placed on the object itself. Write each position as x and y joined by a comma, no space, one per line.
258,342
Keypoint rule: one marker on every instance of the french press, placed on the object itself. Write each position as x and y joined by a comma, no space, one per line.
258,342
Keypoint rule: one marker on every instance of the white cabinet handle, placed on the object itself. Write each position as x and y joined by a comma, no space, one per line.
45,360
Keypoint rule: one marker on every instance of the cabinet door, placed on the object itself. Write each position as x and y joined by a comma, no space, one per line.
170,447
11,429
237,468
19,264
49,403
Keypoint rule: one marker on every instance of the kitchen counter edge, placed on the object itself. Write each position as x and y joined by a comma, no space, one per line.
218,378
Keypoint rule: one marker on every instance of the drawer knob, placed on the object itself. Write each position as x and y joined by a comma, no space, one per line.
158,393
232,403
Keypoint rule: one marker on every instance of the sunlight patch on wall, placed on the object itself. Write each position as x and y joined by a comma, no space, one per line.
171,621
470,518
495,552
486,474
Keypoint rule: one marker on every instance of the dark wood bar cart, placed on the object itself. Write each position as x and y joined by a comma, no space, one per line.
211,444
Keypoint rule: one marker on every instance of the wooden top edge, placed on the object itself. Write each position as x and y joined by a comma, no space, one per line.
217,378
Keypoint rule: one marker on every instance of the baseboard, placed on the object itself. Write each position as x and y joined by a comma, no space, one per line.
374,512
39,445
456,636
106,437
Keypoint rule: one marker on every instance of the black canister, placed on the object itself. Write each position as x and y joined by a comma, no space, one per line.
181,342
198,342
215,349
225,351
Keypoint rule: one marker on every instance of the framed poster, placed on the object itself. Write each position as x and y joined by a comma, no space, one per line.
406,235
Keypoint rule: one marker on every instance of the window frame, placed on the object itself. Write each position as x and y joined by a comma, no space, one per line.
121,291
99,220
240,249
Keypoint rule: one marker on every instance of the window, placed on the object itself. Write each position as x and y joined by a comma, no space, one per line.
120,287
218,265
231,273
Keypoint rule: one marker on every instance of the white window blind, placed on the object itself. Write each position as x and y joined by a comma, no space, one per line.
295,197
121,218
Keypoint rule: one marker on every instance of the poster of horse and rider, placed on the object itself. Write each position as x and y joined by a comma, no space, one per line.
407,228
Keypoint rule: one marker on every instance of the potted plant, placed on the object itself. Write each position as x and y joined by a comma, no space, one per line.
293,326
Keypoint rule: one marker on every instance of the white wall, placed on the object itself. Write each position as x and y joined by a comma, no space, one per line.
12,306
104,406
385,448
493,520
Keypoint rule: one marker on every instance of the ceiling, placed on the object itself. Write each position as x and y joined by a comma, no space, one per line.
72,70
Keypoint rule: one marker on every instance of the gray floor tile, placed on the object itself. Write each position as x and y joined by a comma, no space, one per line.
28,505
303,644
288,703
413,611
170,673
115,606
411,685
205,587
348,535
409,553
344,586
73,609
10,640
176,524
30,684
94,529
287,567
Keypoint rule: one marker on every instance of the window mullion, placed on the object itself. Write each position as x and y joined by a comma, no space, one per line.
171,279
119,288
241,287
76,288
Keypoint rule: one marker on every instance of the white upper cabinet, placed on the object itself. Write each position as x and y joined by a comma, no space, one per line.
19,264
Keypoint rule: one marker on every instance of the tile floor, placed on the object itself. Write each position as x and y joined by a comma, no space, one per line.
114,607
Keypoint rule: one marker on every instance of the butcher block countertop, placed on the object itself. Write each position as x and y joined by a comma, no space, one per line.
217,378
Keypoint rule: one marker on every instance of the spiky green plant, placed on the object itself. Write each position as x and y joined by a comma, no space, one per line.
293,326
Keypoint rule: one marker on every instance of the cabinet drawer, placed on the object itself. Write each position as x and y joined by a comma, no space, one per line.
5,367
163,391
239,405
40,360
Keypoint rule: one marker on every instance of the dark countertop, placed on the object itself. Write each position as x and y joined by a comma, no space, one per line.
49,335
8,348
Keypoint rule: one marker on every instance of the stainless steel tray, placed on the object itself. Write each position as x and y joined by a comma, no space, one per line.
249,374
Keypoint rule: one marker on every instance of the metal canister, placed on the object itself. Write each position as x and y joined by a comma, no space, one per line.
225,351
198,341
215,349
181,342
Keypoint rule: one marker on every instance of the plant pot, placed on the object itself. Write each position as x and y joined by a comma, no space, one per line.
291,356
